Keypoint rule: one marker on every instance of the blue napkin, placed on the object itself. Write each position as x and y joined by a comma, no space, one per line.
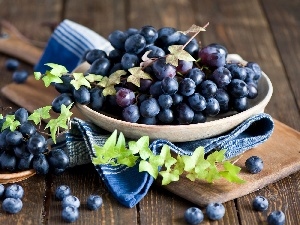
78,143
66,46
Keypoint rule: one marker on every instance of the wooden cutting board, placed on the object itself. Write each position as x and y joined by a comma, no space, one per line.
281,153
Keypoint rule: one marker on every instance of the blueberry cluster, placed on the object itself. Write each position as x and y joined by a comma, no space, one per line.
25,148
183,94
12,196
71,204
18,76
214,211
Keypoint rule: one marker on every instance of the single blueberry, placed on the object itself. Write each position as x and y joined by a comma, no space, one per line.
254,164
14,191
260,203
276,218
70,200
215,211
193,216
12,205
70,213
11,64
94,202
62,191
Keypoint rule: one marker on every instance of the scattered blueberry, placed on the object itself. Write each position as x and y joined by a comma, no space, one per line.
254,164
276,218
260,203
94,202
70,200
20,76
62,191
11,64
14,191
215,211
70,213
193,215
12,205
2,190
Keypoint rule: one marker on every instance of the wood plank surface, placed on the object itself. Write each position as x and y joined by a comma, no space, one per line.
264,31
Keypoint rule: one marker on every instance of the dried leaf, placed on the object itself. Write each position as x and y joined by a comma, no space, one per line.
145,56
109,90
136,74
194,29
177,50
172,59
115,78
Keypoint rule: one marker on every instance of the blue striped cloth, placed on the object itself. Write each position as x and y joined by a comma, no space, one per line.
66,46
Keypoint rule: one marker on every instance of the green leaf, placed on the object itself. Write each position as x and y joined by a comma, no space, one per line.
93,78
50,78
79,80
166,156
231,173
212,174
136,74
149,168
39,114
10,122
216,156
169,176
191,161
37,75
57,70
65,111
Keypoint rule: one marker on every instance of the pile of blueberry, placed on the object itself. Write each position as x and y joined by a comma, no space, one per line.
25,148
12,196
18,76
185,94
71,204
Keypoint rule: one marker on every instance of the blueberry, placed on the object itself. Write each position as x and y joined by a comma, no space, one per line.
20,76
11,64
70,213
12,205
2,190
94,202
260,203
70,200
57,158
62,191
254,164
276,218
215,211
14,191
193,216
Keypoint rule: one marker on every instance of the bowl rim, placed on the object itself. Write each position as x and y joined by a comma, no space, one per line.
258,107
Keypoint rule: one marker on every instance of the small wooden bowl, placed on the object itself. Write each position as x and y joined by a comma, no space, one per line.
6,178
180,133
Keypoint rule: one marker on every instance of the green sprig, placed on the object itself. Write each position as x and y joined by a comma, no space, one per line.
115,151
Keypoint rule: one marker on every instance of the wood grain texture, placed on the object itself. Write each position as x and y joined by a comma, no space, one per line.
84,181
264,31
284,20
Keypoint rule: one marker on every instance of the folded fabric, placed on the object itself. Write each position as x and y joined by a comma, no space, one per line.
68,44
78,143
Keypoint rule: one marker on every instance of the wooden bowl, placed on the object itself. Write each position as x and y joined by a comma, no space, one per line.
179,133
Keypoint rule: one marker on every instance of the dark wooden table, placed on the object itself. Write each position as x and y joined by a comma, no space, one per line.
265,31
